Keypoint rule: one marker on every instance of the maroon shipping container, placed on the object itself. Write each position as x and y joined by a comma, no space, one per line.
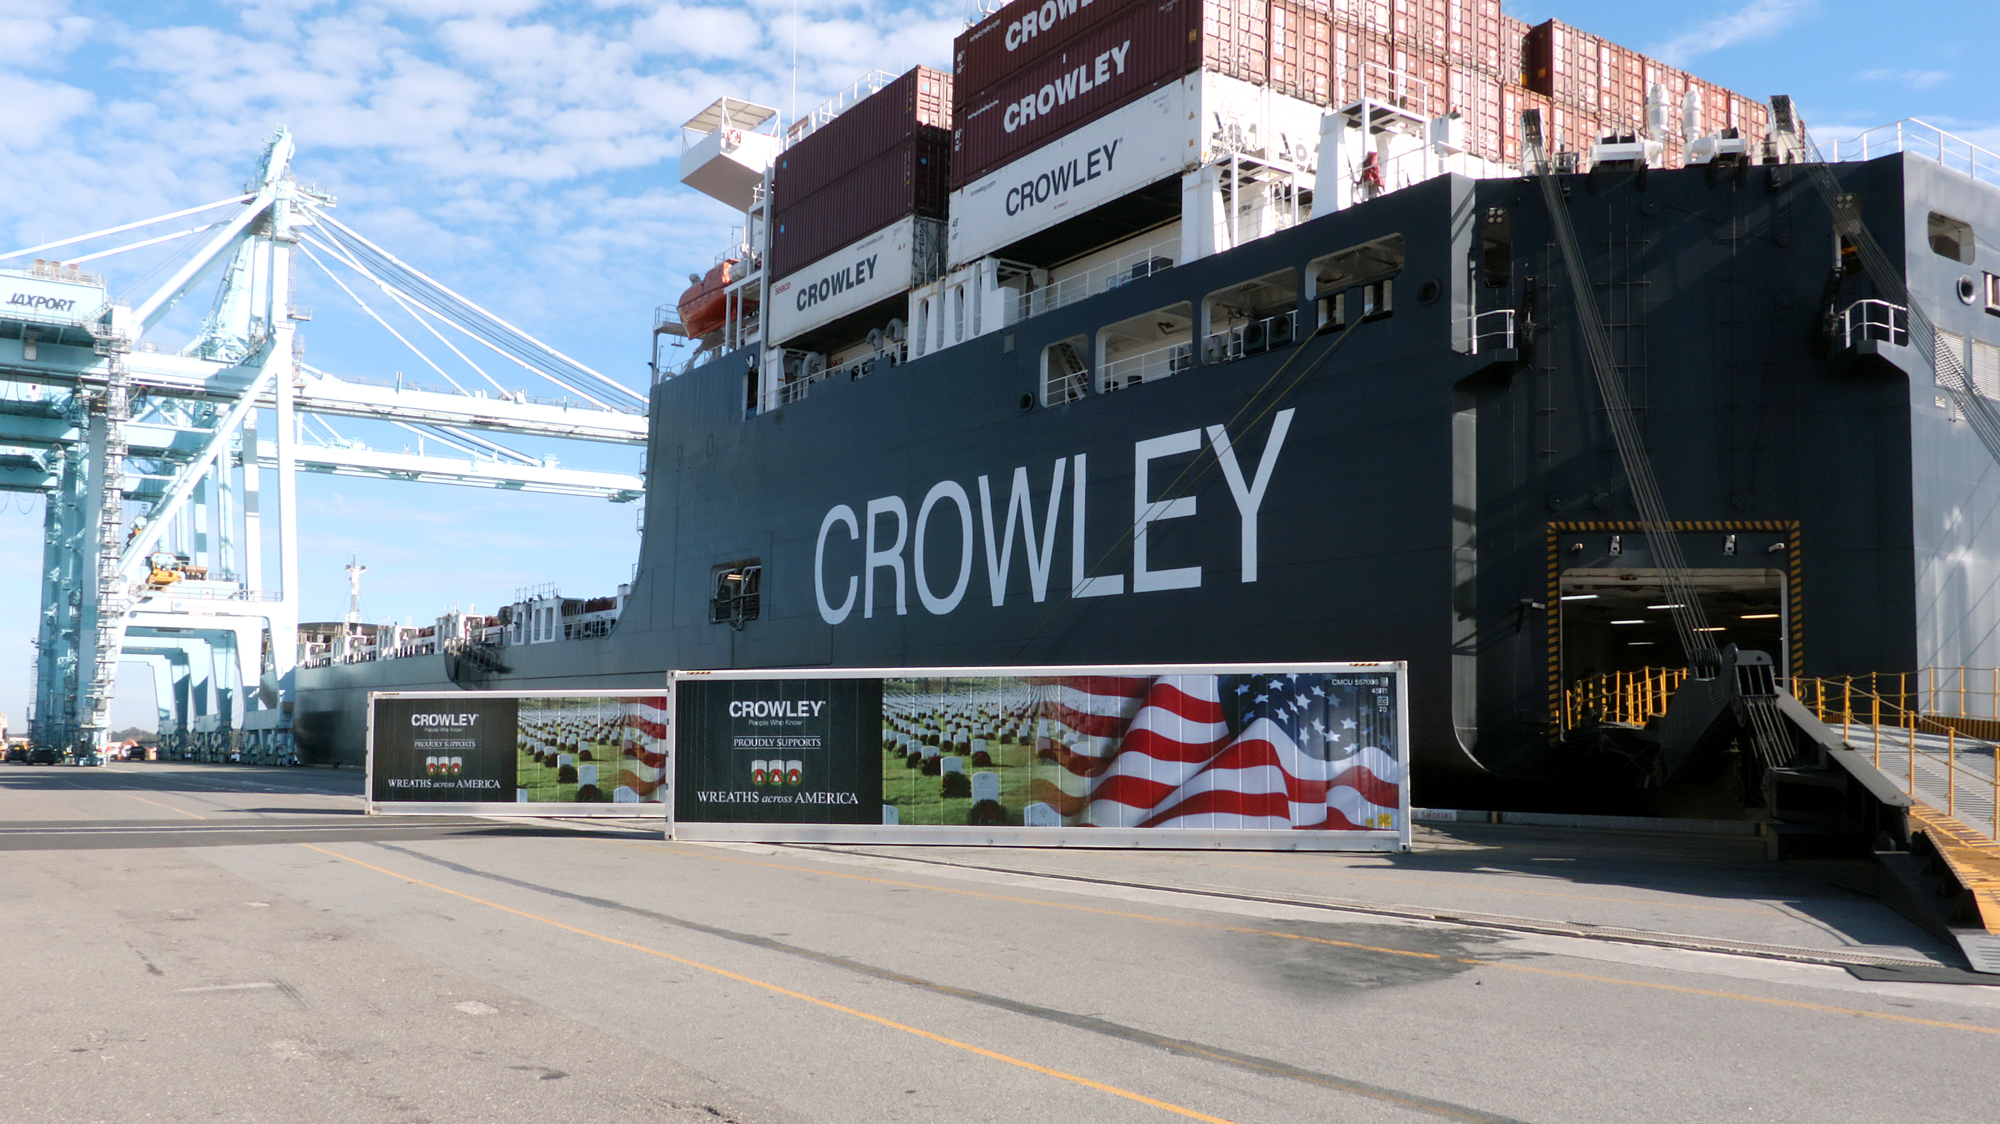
919,100
1108,68
1301,42
1538,61
1022,34
912,178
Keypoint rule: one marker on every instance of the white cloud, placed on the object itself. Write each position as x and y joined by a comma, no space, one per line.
36,31
1759,19
1914,79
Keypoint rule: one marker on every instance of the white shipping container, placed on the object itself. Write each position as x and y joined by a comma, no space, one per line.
1163,134
1119,153
880,267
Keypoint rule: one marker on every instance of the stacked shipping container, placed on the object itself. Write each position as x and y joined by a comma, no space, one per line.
1599,87
884,159
1039,68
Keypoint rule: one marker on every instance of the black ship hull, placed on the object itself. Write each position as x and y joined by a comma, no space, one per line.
1377,488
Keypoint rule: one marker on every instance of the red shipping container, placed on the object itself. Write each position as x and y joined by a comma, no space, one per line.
1475,97
1108,68
1236,38
1624,84
1419,25
912,178
919,100
1379,76
1022,34
1344,75
1434,74
1472,34
1513,64
1301,42
1370,17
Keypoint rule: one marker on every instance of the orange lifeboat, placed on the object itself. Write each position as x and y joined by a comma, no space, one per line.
705,305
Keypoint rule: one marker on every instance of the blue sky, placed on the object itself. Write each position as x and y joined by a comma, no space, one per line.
526,154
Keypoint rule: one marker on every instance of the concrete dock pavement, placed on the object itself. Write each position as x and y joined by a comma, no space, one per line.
172,968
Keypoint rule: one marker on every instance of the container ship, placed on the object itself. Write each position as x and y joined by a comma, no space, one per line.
1213,331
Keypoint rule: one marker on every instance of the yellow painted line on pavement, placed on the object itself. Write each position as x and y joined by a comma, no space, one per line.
725,973
168,807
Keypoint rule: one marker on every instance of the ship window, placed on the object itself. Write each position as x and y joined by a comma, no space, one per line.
1993,293
1951,238
1065,372
738,592
1343,270
1146,348
1253,317
1496,249
1986,368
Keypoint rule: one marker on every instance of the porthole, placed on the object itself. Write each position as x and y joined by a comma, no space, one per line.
1428,291
1968,290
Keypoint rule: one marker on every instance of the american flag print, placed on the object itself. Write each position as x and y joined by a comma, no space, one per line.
1306,751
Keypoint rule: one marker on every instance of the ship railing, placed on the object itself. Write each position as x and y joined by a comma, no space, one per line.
1491,330
1923,139
1931,732
854,370
1425,162
1147,366
1874,319
1157,258
834,106
1251,337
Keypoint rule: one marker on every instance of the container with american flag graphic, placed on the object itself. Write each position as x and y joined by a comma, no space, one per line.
1282,750
1294,757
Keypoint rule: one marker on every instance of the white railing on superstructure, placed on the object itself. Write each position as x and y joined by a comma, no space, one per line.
1147,366
1921,139
834,106
1156,258
853,370
1875,320
1251,337
1491,329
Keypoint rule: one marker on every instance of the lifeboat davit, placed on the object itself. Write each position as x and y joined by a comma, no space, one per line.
705,305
